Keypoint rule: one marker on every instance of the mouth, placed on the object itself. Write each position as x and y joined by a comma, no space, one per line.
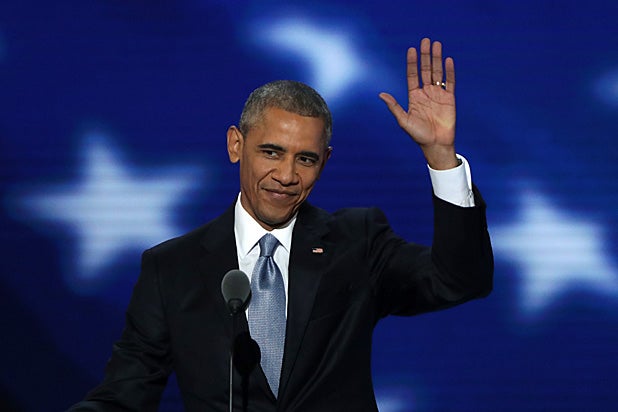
280,194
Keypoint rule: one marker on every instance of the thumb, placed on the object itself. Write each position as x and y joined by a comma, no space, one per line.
394,107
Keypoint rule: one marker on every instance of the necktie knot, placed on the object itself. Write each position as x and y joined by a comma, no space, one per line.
268,244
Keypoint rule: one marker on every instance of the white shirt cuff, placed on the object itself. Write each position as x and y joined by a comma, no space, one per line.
453,185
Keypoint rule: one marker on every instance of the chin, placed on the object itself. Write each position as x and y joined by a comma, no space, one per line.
276,222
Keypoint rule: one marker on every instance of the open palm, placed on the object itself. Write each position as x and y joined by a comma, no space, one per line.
430,118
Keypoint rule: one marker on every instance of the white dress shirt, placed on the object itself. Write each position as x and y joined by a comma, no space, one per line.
248,232
453,185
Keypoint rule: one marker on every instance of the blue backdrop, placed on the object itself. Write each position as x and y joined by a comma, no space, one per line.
112,124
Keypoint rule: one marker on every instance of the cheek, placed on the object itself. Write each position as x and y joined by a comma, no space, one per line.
253,172
309,178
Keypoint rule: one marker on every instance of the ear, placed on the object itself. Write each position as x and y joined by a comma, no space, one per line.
234,143
327,154
329,151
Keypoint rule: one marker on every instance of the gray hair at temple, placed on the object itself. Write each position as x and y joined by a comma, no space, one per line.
289,95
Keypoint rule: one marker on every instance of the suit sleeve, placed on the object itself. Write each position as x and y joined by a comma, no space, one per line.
458,267
138,369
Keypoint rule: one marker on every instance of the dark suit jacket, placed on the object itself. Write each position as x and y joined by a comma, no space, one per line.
177,319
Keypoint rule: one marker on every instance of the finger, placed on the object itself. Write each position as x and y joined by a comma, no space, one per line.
426,61
412,70
394,107
449,66
436,62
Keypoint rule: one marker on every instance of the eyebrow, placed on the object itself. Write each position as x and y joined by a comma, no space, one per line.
278,148
272,146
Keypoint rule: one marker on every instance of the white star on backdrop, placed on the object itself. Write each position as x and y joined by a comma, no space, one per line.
395,399
335,65
606,87
556,253
114,207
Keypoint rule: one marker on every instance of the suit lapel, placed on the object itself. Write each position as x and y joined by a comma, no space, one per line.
309,255
220,257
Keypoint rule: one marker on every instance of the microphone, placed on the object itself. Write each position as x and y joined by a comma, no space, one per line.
236,290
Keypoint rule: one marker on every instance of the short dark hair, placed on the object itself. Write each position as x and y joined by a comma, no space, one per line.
289,95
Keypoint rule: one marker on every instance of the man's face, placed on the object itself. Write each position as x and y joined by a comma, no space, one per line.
280,158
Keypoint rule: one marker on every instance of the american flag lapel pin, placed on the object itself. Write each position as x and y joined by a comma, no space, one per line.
317,250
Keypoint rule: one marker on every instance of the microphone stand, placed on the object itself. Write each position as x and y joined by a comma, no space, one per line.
234,309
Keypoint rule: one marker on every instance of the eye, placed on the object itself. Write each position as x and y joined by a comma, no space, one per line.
270,153
307,161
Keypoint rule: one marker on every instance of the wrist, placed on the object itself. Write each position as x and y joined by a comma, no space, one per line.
441,158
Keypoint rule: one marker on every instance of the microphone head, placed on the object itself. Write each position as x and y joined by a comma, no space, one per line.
236,290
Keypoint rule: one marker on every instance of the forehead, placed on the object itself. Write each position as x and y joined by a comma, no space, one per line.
285,128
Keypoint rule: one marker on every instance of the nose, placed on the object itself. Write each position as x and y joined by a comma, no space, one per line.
285,173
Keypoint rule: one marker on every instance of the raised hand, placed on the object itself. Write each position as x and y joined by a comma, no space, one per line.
430,118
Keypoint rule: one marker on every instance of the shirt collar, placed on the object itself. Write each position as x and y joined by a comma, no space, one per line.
248,232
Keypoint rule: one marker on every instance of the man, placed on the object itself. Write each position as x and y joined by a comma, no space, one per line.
317,297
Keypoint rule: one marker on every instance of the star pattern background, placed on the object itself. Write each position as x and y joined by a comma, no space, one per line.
112,210
556,253
112,125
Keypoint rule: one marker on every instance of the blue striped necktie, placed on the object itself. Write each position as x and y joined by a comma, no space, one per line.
267,311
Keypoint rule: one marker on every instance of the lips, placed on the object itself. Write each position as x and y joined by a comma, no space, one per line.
280,194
